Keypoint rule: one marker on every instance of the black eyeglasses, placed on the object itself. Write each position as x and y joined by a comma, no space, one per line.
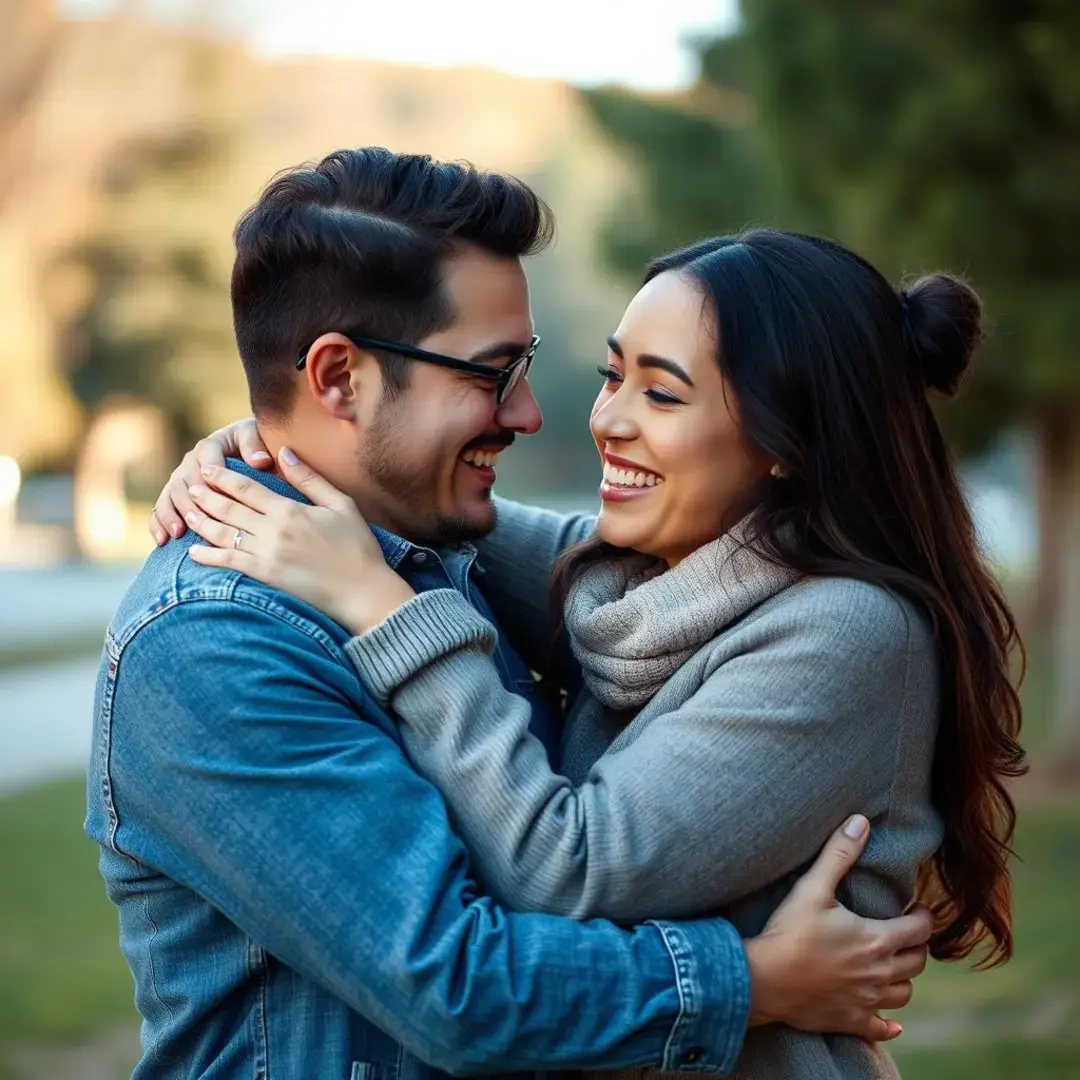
507,378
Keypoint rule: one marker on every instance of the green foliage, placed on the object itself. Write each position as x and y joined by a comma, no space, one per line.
155,323
924,135
698,174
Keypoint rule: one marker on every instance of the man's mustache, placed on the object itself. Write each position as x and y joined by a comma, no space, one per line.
502,438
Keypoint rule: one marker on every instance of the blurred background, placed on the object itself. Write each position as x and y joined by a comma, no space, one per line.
132,135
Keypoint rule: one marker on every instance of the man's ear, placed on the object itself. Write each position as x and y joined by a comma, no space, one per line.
337,375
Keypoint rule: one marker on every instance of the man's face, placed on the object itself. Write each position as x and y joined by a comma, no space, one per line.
428,452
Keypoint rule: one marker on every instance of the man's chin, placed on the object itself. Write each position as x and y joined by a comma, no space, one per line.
473,522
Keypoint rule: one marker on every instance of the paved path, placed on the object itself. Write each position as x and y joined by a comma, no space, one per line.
38,605
45,717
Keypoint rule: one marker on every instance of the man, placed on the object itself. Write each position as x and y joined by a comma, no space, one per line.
293,901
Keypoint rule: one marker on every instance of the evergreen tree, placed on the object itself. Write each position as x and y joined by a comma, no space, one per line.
926,136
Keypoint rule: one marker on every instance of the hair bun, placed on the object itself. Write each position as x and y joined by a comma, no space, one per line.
943,327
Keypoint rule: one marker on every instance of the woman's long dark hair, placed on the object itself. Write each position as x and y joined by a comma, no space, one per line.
830,368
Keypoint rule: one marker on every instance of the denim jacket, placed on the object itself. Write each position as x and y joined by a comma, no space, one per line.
293,901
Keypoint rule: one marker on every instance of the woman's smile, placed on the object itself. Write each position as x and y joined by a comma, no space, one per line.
625,479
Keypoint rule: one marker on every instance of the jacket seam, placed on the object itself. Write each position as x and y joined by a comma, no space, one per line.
680,1019
104,751
150,957
278,612
262,1034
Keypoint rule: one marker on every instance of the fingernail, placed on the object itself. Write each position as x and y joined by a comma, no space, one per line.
260,455
197,491
208,470
289,457
855,827
161,536
191,518
176,529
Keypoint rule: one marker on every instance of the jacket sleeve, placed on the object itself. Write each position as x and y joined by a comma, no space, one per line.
259,775
708,803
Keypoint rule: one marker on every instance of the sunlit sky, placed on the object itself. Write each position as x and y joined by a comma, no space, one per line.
582,41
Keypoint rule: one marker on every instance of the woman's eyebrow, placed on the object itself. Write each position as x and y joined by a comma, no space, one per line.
647,360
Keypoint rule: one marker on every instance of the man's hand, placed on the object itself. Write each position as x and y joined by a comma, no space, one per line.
819,967
240,438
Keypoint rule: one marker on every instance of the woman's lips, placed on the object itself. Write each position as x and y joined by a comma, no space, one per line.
617,493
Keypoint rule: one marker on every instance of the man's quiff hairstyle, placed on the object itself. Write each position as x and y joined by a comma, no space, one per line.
357,243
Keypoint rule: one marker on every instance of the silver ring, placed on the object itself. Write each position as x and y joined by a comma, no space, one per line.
238,539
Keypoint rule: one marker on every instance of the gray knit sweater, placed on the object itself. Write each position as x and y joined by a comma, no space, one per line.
805,701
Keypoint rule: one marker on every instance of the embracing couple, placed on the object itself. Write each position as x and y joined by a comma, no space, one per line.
392,779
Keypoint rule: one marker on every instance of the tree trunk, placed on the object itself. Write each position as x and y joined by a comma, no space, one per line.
1041,609
30,32
1058,588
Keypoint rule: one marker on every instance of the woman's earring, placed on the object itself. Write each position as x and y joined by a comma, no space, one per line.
777,471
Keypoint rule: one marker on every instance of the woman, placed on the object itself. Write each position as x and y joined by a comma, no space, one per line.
781,619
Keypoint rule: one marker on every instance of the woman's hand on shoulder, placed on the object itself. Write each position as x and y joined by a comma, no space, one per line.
324,554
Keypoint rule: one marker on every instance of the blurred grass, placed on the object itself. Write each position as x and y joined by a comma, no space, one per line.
75,646
1017,1020
62,978
991,1061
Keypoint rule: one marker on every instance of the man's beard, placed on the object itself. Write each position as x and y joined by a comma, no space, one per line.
415,490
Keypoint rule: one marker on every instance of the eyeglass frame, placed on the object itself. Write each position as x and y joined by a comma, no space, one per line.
507,377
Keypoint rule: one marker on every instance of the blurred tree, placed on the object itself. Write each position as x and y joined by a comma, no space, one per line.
30,36
31,31
155,322
924,135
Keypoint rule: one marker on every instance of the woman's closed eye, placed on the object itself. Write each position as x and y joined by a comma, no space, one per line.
661,397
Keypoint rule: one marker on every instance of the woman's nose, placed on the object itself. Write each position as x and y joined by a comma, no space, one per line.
613,419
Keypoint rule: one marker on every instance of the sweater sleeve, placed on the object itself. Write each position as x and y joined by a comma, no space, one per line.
708,803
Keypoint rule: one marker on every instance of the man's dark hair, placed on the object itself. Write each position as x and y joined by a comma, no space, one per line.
358,242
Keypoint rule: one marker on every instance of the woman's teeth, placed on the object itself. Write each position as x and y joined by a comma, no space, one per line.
617,477
480,458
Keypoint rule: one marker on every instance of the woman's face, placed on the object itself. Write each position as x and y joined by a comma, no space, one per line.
667,427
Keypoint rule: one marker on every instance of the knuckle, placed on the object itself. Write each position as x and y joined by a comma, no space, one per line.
880,947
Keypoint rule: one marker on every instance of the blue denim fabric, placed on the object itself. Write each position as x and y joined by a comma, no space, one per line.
293,902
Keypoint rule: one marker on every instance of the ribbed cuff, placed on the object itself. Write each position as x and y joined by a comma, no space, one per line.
430,625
